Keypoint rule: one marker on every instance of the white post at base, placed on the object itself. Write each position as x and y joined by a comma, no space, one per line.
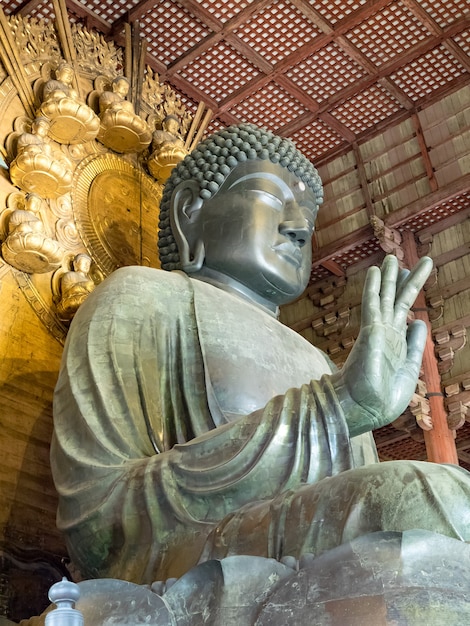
64,594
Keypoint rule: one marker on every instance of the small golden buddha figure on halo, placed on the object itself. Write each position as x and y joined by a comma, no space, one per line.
168,149
75,286
121,129
71,120
116,99
37,167
27,247
36,141
61,86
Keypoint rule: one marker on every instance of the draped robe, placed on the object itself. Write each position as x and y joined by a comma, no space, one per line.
190,424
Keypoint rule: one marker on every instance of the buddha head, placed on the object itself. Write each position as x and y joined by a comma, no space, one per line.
40,126
171,124
81,263
121,86
65,73
33,202
240,210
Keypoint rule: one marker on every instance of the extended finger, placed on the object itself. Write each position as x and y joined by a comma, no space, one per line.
402,276
371,297
416,340
388,287
408,374
410,288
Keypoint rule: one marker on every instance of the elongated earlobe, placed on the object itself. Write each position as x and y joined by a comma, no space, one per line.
185,224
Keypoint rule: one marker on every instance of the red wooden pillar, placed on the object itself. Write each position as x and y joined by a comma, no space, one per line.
440,442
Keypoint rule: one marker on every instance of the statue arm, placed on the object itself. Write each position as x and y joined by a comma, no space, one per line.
149,514
379,377
122,387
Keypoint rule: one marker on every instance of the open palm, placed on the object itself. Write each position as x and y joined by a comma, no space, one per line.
379,377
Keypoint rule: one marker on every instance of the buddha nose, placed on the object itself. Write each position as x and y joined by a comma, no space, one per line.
295,227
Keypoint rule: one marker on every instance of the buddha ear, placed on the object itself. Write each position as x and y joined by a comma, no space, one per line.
185,214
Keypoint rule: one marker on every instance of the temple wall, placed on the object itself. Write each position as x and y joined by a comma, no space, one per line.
29,541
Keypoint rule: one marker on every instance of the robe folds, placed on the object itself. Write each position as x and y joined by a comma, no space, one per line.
157,471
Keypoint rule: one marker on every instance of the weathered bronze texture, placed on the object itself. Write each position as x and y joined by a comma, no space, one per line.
191,425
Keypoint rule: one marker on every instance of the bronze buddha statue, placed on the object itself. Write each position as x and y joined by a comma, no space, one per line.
191,425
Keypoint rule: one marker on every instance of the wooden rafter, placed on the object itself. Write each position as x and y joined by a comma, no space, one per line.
363,181
424,152
393,220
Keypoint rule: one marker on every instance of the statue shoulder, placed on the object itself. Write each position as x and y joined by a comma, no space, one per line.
136,296
145,287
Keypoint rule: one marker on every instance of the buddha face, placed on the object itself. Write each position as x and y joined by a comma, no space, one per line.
40,126
65,74
82,264
121,87
171,125
257,230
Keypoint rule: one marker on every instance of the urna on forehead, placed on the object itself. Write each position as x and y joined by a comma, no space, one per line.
216,157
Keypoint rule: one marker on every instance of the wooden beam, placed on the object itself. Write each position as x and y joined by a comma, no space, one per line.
392,220
221,31
364,264
338,126
334,268
251,55
458,53
399,95
304,99
424,152
448,257
26,7
397,118
365,82
361,170
194,52
313,15
192,92
91,19
431,200
440,443
444,224
448,291
343,244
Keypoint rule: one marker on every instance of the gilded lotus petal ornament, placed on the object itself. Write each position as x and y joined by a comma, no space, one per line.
32,252
124,131
162,162
71,121
41,173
